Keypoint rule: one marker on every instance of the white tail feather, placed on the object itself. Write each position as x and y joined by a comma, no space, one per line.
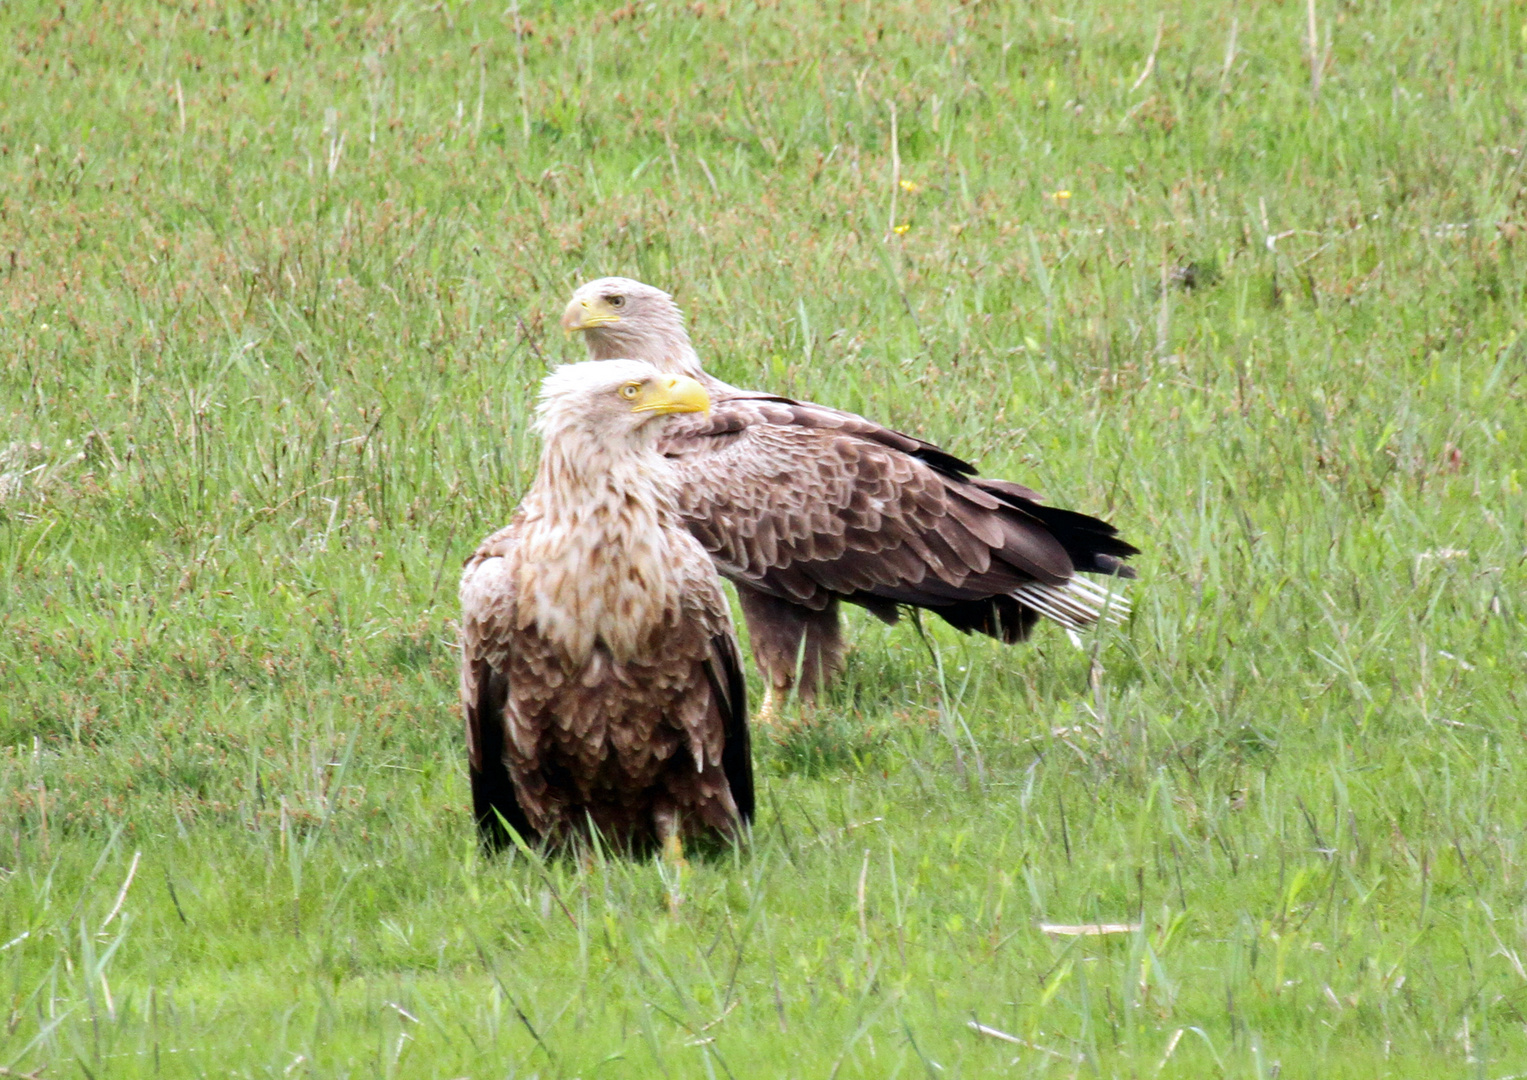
1076,604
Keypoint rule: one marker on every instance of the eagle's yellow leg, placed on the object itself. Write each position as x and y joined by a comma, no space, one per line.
666,818
768,710
673,852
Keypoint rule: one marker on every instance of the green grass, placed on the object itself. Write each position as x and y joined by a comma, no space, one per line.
276,286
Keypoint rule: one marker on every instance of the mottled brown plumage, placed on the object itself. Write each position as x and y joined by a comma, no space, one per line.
600,678
802,506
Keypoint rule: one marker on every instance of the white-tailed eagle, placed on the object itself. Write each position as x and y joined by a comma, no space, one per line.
600,676
802,506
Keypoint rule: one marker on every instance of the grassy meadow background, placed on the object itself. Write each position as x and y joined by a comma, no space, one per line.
276,284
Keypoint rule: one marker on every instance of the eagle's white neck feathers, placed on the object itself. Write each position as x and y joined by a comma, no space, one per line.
663,345
599,525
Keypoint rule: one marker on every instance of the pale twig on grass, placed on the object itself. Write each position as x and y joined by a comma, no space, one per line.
1171,1048
724,1014
1150,61
890,228
404,1013
122,893
1235,25
336,137
1314,43
982,1029
709,176
996,1033
1088,929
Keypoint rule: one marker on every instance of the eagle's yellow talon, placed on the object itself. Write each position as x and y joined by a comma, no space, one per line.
767,710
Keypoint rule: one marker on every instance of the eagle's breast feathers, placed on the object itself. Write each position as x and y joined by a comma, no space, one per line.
602,637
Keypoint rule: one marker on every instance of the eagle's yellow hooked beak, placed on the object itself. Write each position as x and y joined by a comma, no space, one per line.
670,394
587,314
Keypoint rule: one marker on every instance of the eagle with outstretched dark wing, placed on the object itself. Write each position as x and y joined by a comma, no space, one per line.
600,676
803,506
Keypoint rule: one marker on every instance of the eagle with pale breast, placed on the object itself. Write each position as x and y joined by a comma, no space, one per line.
600,676
803,506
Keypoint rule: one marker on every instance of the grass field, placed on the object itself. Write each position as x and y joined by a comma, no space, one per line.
276,284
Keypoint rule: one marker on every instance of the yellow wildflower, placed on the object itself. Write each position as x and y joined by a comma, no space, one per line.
903,227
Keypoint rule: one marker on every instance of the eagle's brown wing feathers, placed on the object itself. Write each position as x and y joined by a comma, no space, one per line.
807,503
484,696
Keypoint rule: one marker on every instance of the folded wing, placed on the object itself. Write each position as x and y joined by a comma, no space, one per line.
807,503
487,599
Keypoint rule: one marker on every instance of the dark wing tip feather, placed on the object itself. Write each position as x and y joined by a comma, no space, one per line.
494,801
1107,564
942,460
1000,617
1093,544
730,692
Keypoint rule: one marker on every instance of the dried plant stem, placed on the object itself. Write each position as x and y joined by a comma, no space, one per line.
890,228
1314,39
122,893
1235,25
1150,61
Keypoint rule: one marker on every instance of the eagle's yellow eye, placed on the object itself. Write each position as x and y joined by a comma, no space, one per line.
630,390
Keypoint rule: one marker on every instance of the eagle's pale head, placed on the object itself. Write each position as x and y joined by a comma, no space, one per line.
612,403
625,318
